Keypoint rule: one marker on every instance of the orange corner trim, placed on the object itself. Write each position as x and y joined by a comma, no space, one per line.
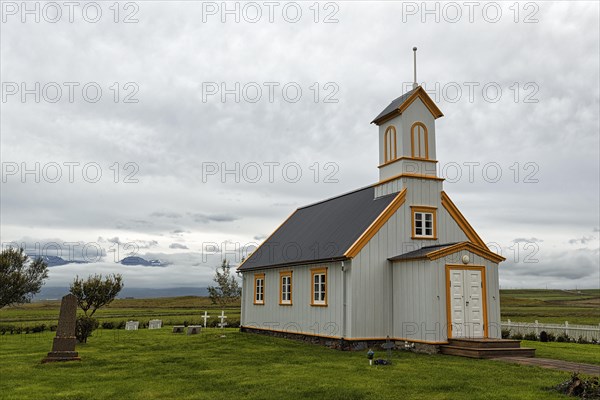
462,221
468,246
406,175
377,224
420,93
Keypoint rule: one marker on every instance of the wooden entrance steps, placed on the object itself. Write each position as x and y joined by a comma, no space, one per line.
486,348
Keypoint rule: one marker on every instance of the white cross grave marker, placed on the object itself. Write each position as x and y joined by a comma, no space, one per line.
205,317
222,317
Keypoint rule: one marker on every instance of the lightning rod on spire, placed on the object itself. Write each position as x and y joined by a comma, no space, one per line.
415,67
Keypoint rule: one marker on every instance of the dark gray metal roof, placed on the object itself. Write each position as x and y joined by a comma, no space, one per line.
420,253
320,232
394,105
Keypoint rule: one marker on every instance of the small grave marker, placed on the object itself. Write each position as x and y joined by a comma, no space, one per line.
155,324
132,325
222,317
205,317
178,328
63,347
194,329
388,346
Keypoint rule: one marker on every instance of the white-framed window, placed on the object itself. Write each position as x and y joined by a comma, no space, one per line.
319,287
259,289
285,283
424,222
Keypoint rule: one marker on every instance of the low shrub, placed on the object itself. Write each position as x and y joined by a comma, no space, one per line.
4,329
12,329
84,328
517,336
576,386
108,325
505,333
563,337
530,336
583,340
551,337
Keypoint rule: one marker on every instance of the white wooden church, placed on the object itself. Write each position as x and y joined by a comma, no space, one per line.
395,259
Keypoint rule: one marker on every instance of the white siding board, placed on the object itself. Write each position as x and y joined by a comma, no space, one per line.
310,319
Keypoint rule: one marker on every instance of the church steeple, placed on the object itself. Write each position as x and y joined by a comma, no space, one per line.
407,134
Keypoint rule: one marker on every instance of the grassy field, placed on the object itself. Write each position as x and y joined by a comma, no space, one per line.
551,306
156,364
172,311
582,353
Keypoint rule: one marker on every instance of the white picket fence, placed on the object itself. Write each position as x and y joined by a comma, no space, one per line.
587,332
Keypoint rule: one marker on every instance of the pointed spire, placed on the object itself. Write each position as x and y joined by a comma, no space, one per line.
415,68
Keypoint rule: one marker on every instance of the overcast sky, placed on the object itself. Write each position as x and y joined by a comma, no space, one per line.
138,114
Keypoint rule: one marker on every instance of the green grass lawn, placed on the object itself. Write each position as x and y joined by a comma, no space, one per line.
582,353
551,306
156,364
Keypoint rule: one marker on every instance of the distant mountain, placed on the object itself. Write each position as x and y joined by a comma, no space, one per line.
55,261
55,292
140,261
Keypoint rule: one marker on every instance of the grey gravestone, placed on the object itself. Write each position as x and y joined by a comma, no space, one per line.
388,346
155,324
178,328
63,347
132,325
194,329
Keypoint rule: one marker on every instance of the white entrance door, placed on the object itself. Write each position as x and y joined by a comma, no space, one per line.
466,303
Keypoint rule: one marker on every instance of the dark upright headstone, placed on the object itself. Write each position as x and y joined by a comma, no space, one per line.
63,348
543,336
388,346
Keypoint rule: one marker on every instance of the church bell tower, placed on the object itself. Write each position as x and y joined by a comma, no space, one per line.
407,138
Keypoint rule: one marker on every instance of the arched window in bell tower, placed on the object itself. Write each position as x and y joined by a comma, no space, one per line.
390,144
418,141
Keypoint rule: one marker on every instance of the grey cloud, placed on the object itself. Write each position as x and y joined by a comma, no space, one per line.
178,246
204,218
561,269
260,237
146,244
530,240
582,240
161,214
142,244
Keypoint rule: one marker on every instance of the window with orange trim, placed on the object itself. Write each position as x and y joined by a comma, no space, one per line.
418,141
285,288
259,289
390,148
319,287
424,222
